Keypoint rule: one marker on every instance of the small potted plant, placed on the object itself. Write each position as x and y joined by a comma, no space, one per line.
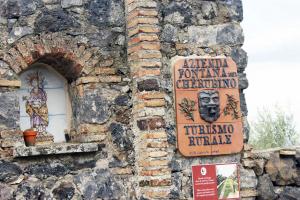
30,137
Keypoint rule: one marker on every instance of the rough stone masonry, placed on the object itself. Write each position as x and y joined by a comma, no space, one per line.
116,56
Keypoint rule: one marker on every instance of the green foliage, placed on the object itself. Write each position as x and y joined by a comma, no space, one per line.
220,178
272,130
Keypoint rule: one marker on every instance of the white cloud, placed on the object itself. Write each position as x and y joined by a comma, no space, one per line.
273,84
272,30
272,40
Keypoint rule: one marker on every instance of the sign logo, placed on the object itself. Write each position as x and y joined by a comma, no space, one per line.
209,105
203,171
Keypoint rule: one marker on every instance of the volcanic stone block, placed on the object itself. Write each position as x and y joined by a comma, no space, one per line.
282,171
70,3
9,172
9,110
54,21
122,100
248,178
105,12
64,191
95,108
265,188
148,85
290,193
45,170
151,124
120,137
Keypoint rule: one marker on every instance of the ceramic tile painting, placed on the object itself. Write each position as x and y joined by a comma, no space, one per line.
43,102
36,101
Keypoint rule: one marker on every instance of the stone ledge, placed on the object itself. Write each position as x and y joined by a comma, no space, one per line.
284,151
10,83
58,148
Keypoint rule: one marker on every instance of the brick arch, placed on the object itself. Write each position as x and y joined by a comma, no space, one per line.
62,52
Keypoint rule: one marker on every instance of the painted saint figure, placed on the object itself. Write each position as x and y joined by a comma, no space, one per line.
36,103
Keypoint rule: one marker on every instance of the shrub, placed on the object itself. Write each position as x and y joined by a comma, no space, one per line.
272,130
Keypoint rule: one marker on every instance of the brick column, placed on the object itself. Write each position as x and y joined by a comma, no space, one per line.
144,58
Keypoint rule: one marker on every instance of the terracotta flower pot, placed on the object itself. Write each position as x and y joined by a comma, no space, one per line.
29,137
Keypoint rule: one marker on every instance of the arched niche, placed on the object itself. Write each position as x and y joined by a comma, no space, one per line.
44,101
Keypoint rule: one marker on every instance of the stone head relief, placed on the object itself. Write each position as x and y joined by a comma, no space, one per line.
209,105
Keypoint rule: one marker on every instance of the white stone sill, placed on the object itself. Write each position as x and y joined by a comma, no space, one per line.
54,149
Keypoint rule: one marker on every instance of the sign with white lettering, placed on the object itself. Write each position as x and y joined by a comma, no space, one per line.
216,182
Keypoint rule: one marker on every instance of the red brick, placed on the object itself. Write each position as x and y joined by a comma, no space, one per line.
144,45
160,144
11,133
155,135
157,194
24,52
144,54
79,51
105,70
156,172
141,20
138,73
155,103
156,123
110,79
143,29
142,12
18,58
106,63
152,95
122,171
87,79
145,63
40,49
152,163
12,63
10,83
155,182
158,154
150,37
138,4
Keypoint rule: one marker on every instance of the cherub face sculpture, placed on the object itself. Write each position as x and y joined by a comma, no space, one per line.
209,105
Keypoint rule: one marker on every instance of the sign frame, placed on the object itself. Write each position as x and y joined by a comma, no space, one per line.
237,145
215,165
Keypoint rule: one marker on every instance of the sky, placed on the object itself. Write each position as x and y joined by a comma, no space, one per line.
272,41
226,170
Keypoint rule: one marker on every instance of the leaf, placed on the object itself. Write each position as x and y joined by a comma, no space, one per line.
187,108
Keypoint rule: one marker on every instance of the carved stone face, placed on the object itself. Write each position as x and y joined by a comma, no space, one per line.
209,105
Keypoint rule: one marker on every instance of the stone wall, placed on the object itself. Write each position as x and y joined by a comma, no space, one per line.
272,174
85,42
89,53
203,28
116,56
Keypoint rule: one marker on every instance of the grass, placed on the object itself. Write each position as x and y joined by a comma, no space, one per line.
229,186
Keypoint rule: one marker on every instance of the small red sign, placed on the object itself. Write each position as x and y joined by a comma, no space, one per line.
205,182
216,182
